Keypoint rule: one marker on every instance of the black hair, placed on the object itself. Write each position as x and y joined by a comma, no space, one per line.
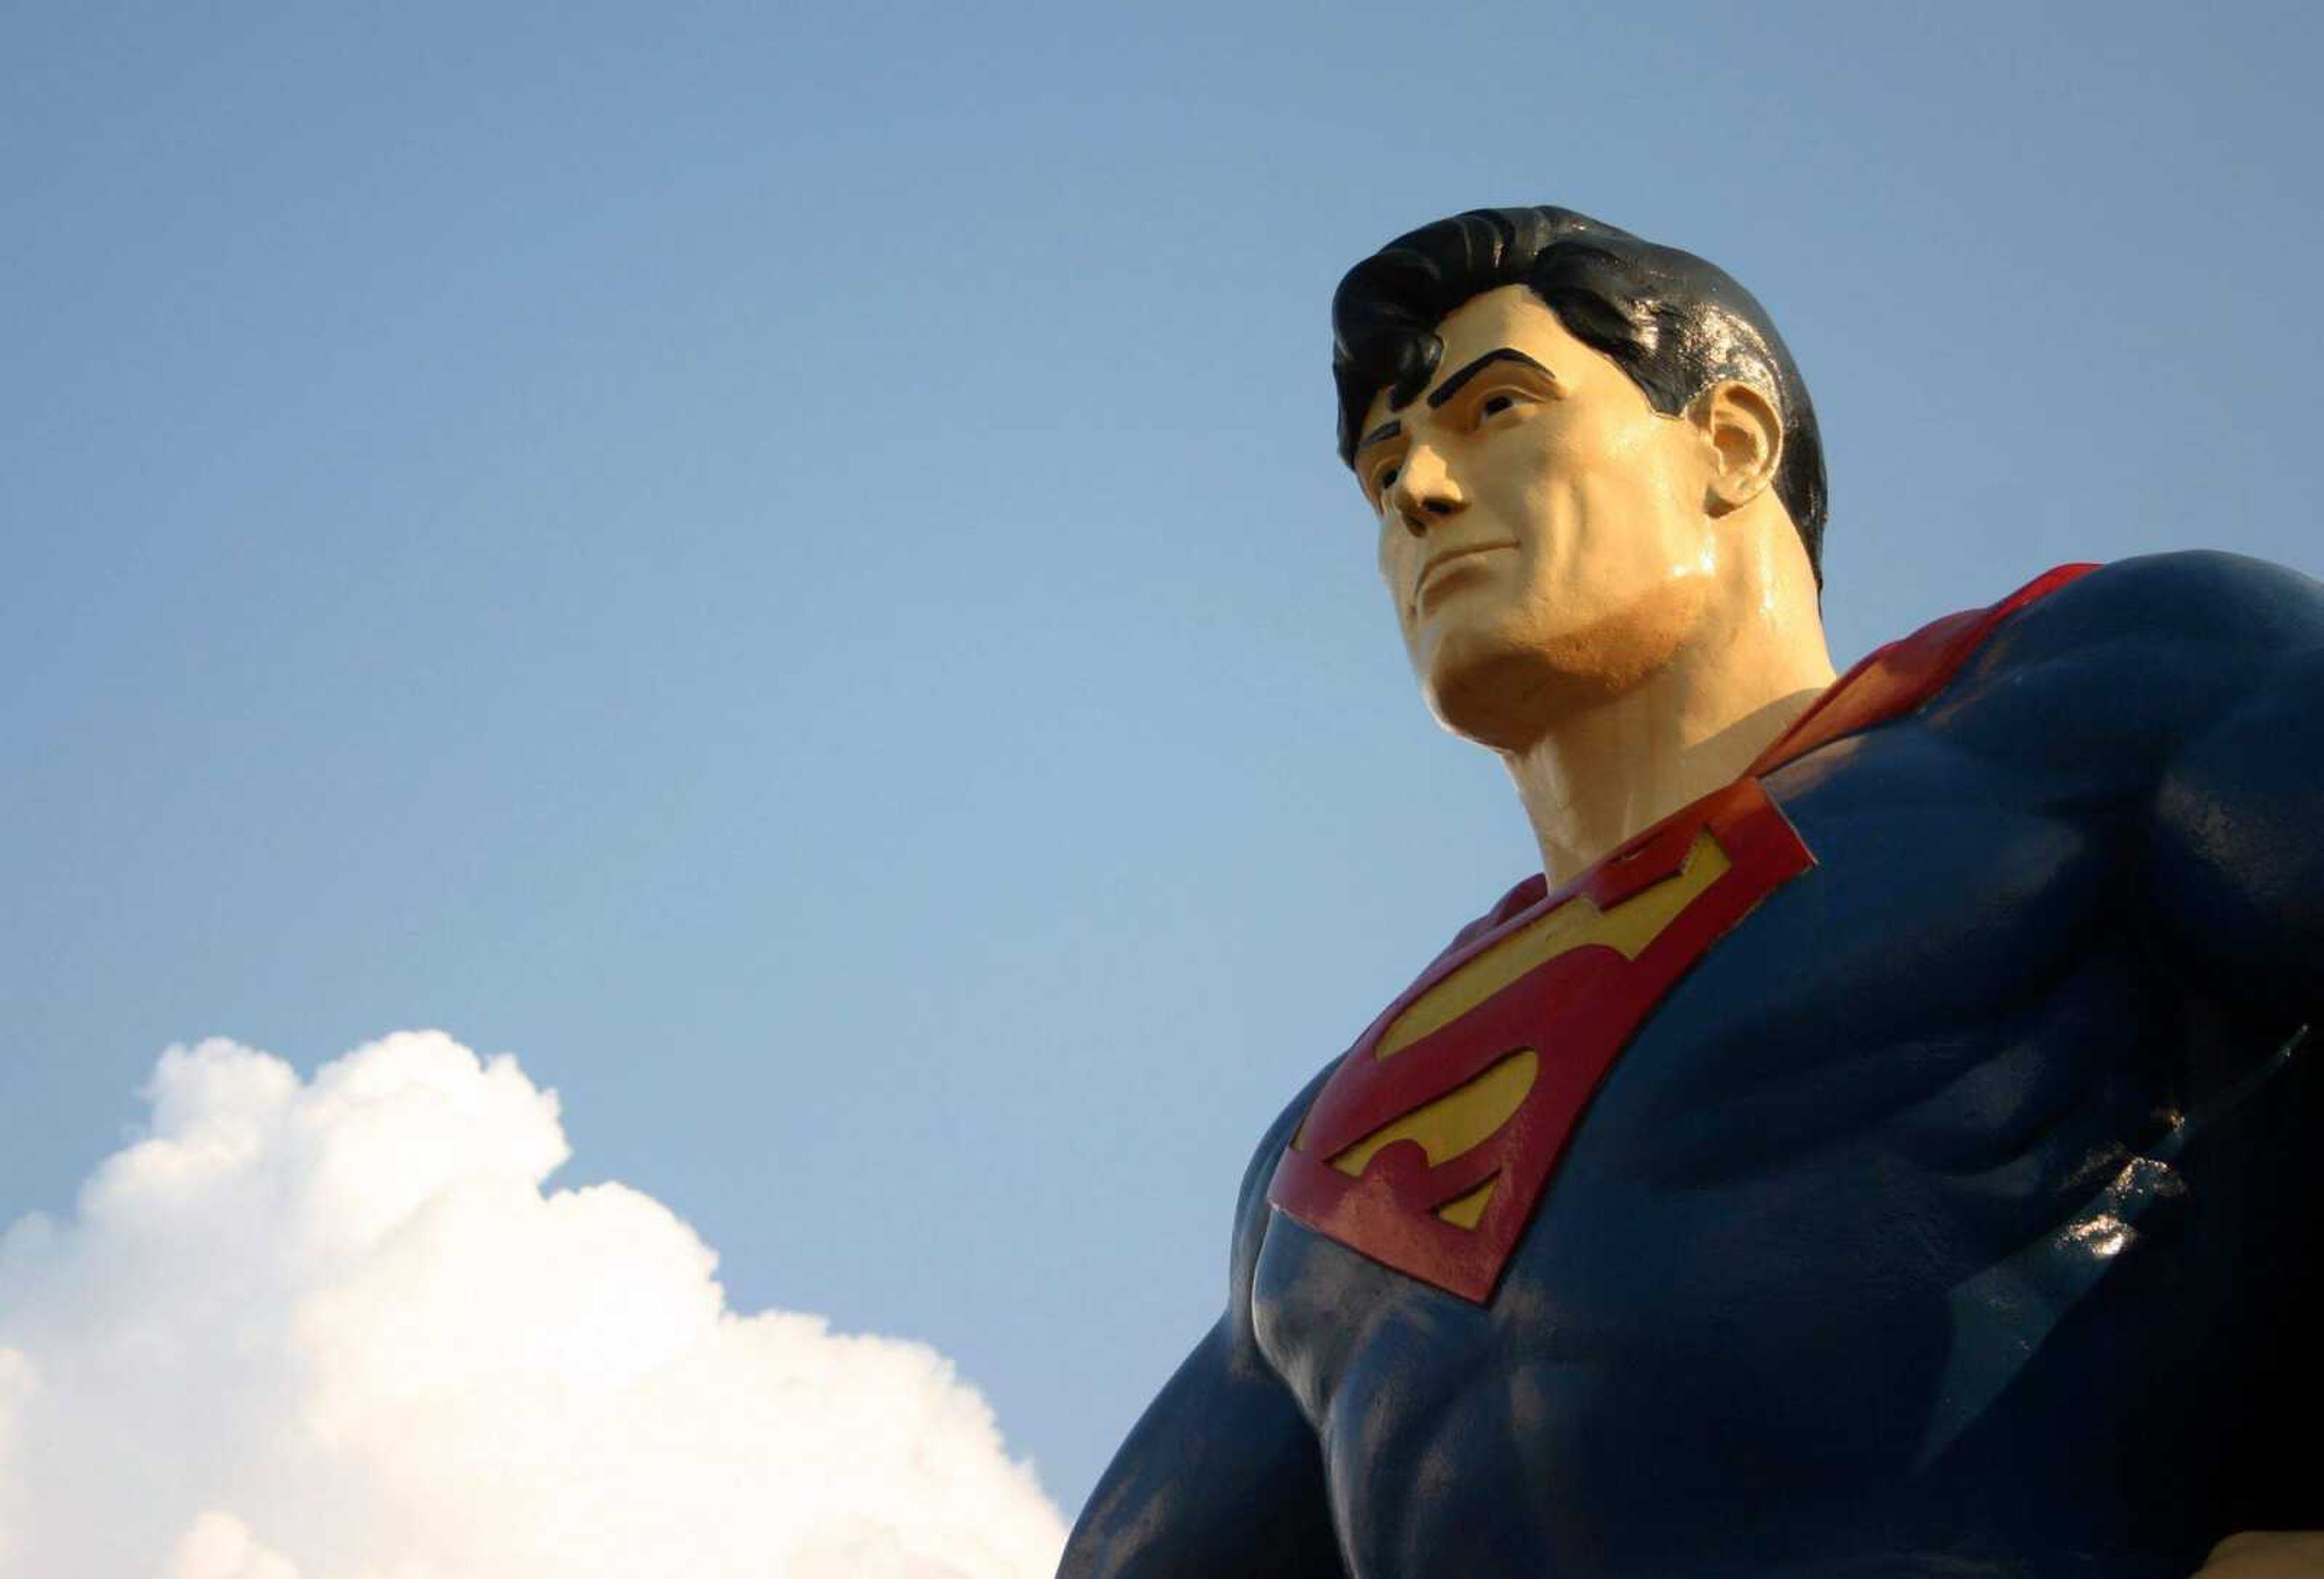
1674,322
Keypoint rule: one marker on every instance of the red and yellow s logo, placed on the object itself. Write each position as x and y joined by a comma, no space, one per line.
1431,1145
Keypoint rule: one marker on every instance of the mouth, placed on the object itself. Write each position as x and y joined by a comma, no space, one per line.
1433,572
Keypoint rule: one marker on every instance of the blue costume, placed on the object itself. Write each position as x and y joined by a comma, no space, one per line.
1951,1213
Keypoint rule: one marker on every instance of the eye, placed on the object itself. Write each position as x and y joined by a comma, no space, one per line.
1384,478
1494,405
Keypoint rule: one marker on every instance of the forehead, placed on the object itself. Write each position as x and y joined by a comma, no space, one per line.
1510,316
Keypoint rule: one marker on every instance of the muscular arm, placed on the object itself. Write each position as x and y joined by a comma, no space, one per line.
2202,675
2234,885
1221,1478
2179,699
2234,876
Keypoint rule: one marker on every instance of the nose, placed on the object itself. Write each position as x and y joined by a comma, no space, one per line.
1424,493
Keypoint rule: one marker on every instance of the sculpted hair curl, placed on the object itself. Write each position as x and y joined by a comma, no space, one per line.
1676,324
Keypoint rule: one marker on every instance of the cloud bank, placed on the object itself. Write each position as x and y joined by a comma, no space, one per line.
336,1329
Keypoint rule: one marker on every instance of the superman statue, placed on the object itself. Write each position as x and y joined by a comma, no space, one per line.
1884,1141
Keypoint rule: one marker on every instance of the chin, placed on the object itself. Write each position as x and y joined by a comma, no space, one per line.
1507,684
1499,693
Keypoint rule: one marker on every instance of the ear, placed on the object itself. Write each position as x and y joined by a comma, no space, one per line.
1745,436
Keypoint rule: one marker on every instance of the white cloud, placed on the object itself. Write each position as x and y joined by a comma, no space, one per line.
218,1546
337,1330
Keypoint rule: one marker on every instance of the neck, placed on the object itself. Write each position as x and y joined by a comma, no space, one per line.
1605,772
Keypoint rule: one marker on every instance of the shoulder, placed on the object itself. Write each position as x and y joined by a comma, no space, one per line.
2202,604
1251,1201
1252,1213
2129,659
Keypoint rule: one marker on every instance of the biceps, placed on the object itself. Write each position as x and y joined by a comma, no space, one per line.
2236,879
1221,1477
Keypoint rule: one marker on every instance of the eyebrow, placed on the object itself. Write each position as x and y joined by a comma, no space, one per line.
1385,431
1459,380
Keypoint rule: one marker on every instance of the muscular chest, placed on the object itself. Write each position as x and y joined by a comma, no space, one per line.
1898,1064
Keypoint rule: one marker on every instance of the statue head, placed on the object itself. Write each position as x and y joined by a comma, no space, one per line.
1573,439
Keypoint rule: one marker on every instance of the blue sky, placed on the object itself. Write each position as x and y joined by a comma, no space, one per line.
786,565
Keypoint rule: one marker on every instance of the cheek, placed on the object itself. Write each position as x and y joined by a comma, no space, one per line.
1395,558
1608,504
